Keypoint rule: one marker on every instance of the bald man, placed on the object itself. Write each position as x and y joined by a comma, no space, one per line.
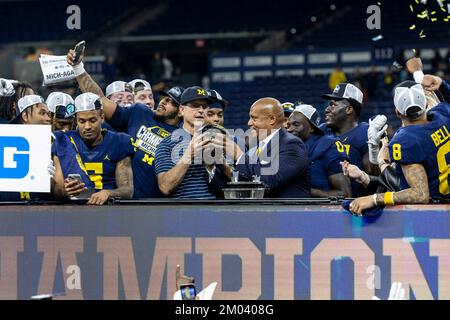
278,157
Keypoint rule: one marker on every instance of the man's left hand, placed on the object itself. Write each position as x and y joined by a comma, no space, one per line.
360,204
99,198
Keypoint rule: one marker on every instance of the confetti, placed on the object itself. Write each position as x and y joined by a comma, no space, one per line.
412,27
377,38
423,15
433,19
411,8
434,12
441,4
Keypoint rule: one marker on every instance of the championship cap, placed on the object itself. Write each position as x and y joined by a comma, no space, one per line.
174,93
311,114
139,84
87,102
61,104
409,94
26,102
118,86
349,92
219,102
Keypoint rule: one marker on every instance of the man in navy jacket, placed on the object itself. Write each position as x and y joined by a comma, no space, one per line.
278,157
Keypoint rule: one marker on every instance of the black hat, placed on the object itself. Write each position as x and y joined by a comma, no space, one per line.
195,93
219,102
288,108
349,92
174,93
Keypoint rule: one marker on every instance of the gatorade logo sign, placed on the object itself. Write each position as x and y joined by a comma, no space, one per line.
14,157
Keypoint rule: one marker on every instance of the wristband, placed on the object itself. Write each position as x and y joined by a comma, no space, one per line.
79,69
418,76
389,199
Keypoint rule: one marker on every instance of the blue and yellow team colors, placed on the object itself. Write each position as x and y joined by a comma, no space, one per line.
428,145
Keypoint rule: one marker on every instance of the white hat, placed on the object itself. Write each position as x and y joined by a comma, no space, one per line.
309,112
6,87
87,102
405,97
141,84
118,86
56,99
28,101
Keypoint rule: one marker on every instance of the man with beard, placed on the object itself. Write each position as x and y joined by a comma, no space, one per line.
146,127
342,121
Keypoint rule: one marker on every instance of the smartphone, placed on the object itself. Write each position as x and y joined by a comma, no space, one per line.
188,292
74,176
79,48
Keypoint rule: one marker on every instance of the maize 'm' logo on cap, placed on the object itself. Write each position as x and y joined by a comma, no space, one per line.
201,92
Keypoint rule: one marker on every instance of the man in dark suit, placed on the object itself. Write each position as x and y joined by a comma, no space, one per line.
278,157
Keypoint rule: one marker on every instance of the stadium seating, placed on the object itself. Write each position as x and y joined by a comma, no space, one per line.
46,20
307,89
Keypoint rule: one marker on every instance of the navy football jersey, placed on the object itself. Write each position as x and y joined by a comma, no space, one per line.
97,165
428,145
325,154
139,122
355,144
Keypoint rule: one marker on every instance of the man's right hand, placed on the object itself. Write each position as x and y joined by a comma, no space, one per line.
71,56
74,187
431,83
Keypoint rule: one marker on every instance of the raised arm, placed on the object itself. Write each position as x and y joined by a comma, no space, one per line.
87,84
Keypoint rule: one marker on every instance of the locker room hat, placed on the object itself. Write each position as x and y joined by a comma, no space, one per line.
174,93
87,102
311,114
24,103
61,104
348,92
409,94
140,84
118,86
219,101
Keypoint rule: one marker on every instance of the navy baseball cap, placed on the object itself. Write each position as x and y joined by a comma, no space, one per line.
195,93
349,92
219,102
174,93
288,108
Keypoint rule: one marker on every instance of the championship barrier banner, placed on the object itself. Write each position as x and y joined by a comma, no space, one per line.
252,251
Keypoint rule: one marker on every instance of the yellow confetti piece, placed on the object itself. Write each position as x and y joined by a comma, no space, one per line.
379,3
421,32
423,15
443,9
433,19
434,12
446,19
417,1
411,8
423,36
412,27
